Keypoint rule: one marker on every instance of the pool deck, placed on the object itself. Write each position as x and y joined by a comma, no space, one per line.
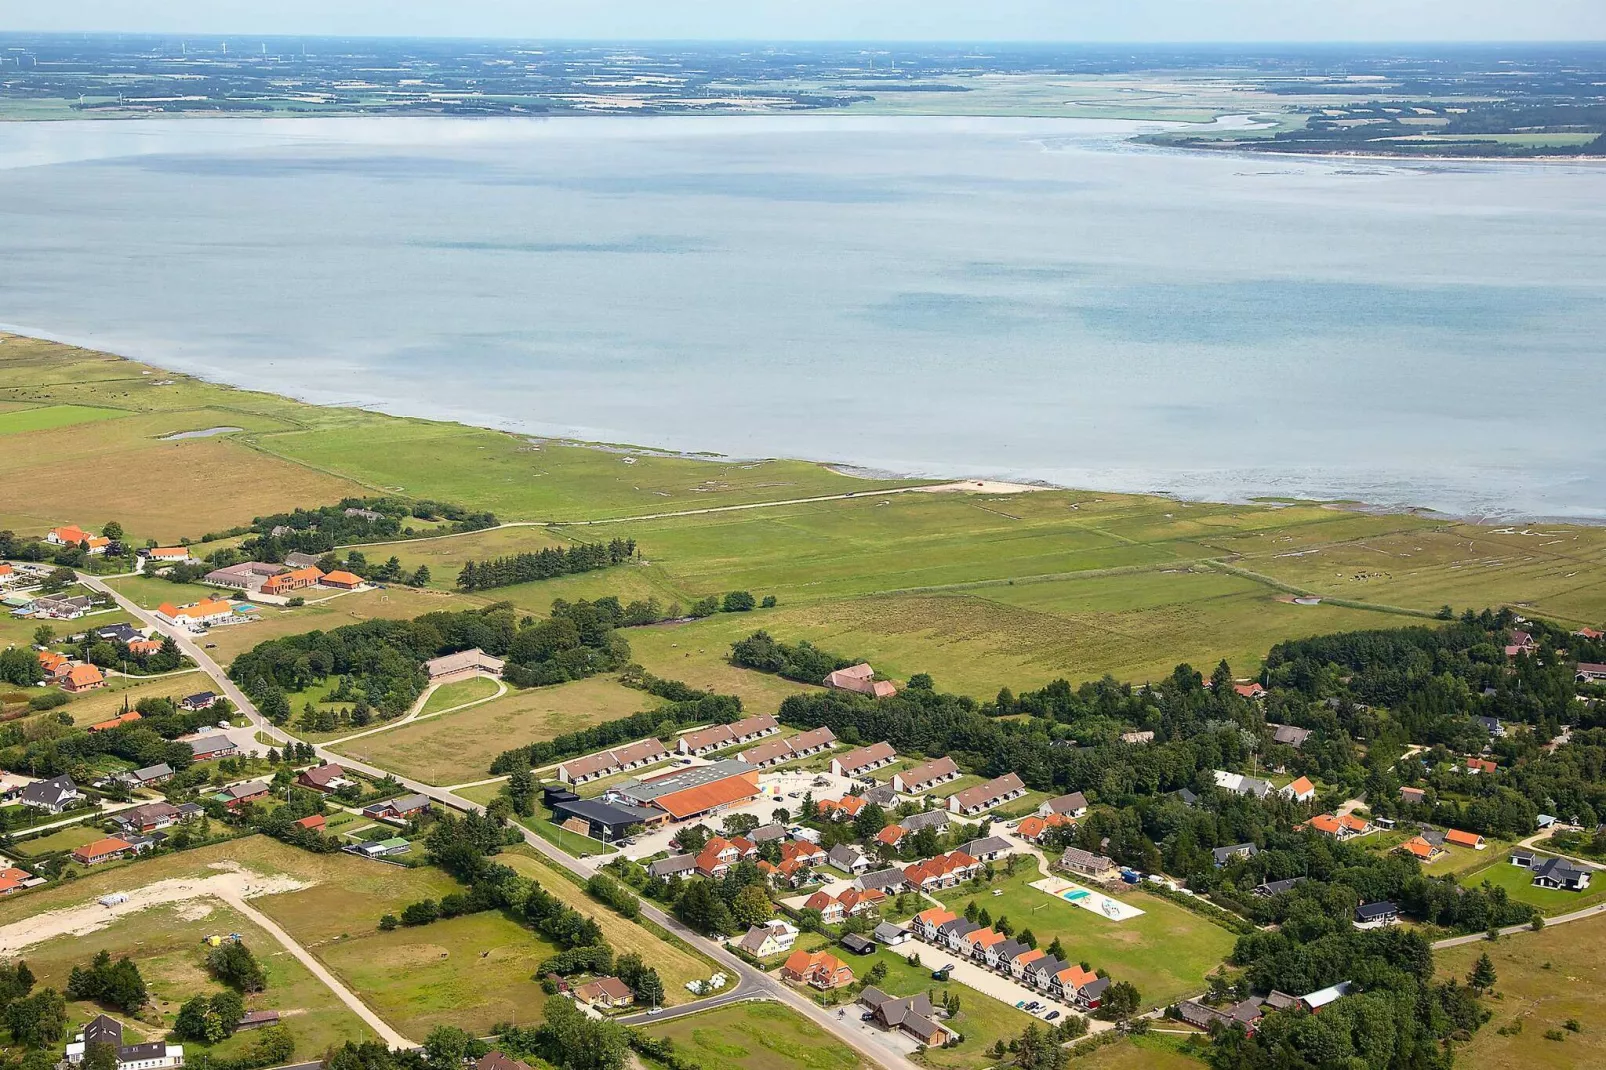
1096,902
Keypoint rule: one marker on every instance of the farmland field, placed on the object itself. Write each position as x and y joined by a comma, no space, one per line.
106,702
471,971
459,747
1166,952
1542,980
166,943
674,963
757,1036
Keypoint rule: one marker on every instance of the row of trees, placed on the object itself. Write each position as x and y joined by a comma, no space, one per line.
544,564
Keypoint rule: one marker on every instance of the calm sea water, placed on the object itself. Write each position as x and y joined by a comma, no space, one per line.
1028,299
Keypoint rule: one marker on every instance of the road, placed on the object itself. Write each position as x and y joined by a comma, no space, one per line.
750,981
1513,930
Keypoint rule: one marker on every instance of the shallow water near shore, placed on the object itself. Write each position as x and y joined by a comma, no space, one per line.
1026,299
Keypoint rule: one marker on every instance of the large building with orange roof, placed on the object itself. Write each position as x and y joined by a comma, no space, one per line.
817,969
198,616
694,792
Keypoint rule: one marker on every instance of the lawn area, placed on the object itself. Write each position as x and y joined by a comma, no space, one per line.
459,748
675,964
149,592
471,971
1542,980
1166,951
698,654
757,1036
1518,883
61,840
459,692
1457,860
166,942
981,1021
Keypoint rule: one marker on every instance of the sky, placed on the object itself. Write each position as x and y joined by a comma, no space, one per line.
855,20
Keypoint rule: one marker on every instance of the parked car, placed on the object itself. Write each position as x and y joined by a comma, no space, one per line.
1051,1015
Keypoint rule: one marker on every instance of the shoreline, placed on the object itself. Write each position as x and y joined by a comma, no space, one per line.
1263,498
1146,138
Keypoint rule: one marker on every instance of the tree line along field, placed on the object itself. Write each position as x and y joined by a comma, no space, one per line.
987,590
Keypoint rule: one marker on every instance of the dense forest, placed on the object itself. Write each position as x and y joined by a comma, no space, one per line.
351,520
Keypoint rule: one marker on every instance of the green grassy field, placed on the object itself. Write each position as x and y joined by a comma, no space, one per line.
674,962
1166,952
166,943
1542,980
986,590
757,1036
459,747
47,417
458,693
472,971
393,603
149,592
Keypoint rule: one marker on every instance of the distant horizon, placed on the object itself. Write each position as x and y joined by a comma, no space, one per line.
1051,22
844,42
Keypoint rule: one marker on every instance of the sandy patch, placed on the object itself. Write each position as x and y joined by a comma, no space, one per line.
980,486
234,882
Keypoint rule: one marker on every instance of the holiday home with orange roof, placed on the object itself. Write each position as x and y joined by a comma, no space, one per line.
55,665
1458,838
76,536
1420,849
295,580
81,678
817,969
342,580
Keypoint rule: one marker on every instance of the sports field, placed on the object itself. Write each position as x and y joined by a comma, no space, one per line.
1542,980
1166,951
458,747
757,1036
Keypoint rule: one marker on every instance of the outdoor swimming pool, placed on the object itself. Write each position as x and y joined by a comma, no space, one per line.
1086,898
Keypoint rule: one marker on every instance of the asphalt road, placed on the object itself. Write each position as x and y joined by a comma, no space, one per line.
751,983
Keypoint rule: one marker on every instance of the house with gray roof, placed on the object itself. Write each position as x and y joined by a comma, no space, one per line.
675,867
936,820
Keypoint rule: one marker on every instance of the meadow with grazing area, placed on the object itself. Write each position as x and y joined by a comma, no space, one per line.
983,590
756,1036
458,747
1542,980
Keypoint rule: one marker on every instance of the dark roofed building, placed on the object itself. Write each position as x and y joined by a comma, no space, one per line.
608,821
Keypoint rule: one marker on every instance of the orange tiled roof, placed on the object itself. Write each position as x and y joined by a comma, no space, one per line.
207,608
1301,786
341,576
689,801
84,675
1076,977
109,845
1353,823
935,916
890,835
1419,847
50,661
1462,839
70,534
128,718
1326,823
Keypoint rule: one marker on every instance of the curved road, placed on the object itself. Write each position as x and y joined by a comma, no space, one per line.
751,983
